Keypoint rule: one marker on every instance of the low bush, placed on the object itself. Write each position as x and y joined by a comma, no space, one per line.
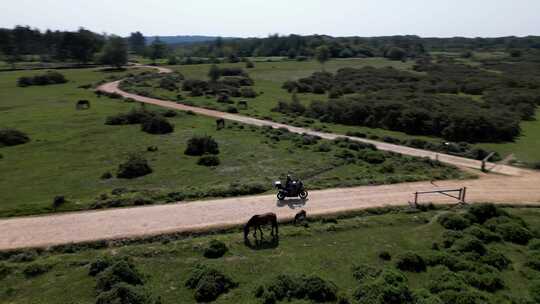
384,255
410,261
324,147
208,161
106,175
4,271
469,244
123,293
58,201
48,78
534,244
200,145
453,221
36,269
232,109
12,137
496,259
208,283
450,236
364,272
248,93
215,249
135,166
534,290
533,261
99,265
483,234
487,282
119,272
298,287
157,125
515,233
372,157
389,287
170,113
480,213
441,279
462,297
135,116
23,257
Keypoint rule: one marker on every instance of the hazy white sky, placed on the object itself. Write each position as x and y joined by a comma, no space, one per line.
243,18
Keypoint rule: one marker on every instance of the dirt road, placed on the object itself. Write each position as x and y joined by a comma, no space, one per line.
133,222
514,185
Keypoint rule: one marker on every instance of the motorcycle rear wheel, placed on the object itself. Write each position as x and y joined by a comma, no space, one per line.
281,196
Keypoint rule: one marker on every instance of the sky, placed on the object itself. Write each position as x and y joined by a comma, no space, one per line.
257,18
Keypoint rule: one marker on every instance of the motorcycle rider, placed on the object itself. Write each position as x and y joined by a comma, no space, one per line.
288,182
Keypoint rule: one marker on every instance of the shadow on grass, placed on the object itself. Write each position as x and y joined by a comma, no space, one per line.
262,244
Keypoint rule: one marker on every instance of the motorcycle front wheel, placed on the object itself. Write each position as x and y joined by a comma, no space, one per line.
303,194
281,196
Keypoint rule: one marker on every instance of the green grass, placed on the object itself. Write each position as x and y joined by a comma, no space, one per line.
526,148
328,250
70,150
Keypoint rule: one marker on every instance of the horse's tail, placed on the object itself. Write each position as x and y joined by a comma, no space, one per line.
246,231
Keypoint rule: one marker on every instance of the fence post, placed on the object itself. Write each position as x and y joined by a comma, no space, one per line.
416,198
463,194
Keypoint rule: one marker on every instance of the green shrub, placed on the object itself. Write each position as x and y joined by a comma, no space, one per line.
208,283
157,125
496,259
120,272
462,297
4,271
365,271
23,257
483,234
215,249
441,279
232,109
36,269
298,287
372,157
102,263
533,261
515,233
534,244
209,161
410,261
135,116
50,77
324,147
483,212
123,293
453,221
423,296
389,287
469,244
135,166
487,282
248,93
384,255
12,137
200,145
450,236
534,290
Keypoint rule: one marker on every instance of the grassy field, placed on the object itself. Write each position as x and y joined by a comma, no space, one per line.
70,150
328,249
269,76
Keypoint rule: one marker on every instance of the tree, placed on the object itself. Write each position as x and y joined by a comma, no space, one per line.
84,45
115,52
214,73
396,53
137,43
322,54
158,50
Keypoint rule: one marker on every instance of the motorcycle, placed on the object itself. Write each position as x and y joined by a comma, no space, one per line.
294,189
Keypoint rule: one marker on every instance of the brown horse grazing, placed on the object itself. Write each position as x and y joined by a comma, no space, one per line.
259,220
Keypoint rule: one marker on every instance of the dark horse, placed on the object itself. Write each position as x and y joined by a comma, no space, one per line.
259,220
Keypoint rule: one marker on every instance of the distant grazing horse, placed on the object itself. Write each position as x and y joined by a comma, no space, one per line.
83,105
260,220
300,217
220,124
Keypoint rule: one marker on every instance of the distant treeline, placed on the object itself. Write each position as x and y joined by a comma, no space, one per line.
398,47
79,46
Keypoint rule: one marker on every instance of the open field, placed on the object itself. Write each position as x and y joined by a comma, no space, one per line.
309,250
70,150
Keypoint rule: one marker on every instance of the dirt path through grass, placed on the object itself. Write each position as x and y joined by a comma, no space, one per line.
513,185
76,227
